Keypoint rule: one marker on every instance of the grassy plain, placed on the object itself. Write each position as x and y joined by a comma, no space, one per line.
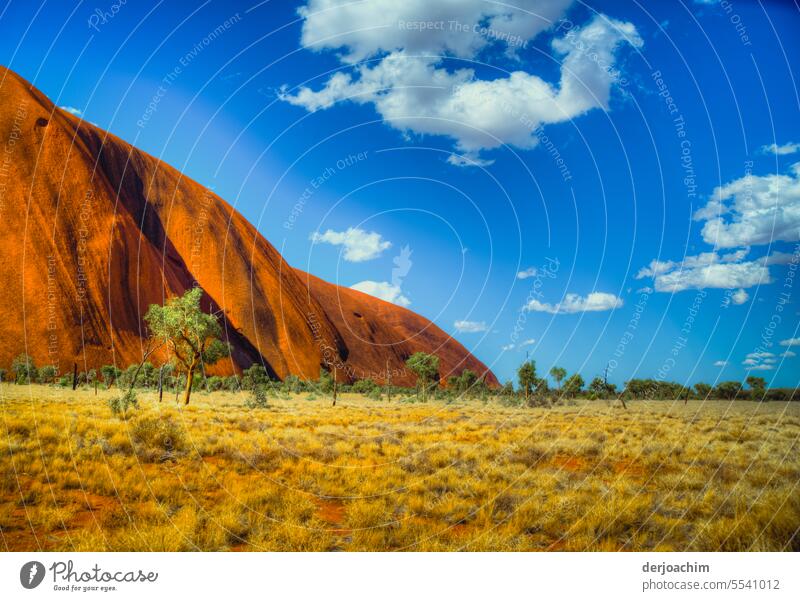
378,475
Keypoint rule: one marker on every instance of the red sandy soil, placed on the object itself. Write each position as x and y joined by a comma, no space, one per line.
95,230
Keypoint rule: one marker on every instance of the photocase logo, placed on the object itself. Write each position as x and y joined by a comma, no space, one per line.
31,574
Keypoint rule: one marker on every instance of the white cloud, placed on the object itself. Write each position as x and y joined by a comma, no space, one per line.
72,110
789,354
760,360
720,363
712,270
574,303
748,211
412,89
359,245
645,290
527,273
753,210
468,161
527,342
507,347
365,29
384,291
470,327
740,297
783,149
791,342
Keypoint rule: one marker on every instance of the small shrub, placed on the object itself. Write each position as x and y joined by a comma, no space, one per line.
258,398
158,436
214,383
232,384
120,404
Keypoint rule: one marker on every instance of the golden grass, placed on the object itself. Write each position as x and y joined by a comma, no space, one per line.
376,475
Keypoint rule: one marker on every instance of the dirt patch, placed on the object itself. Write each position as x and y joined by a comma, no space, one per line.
331,512
569,463
628,468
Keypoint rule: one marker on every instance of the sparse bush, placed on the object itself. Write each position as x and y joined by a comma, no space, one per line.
253,376
158,436
214,383
110,374
233,384
24,369
48,373
293,384
258,398
122,403
325,381
363,386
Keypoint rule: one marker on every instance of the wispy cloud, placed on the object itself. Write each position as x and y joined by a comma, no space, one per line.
470,327
783,149
72,110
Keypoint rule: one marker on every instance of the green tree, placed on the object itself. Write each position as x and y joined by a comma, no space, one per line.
110,374
325,381
574,385
253,376
365,386
727,390
601,389
558,374
526,374
191,335
426,367
24,369
702,389
758,387
47,374
465,384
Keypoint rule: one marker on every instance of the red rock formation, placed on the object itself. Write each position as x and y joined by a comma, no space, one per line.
95,230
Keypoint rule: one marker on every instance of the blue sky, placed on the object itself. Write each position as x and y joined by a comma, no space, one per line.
636,166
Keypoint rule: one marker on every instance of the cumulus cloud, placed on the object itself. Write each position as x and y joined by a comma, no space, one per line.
753,210
413,90
527,273
760,360
574,303
384,291
713,270
740,297
791,342
528,342
720,363
470,327
783,149
358,244
788,354
507,347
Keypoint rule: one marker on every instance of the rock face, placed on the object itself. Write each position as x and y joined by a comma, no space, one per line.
95,230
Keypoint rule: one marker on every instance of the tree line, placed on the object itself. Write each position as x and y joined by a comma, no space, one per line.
191,340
